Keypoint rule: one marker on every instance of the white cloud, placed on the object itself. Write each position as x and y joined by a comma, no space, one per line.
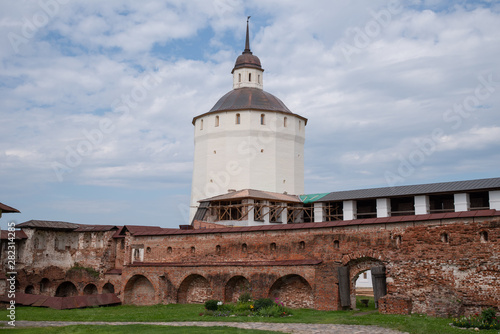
364,113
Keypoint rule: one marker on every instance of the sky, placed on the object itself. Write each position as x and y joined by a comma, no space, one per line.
97,97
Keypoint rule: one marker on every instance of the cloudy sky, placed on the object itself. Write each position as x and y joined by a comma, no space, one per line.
97,97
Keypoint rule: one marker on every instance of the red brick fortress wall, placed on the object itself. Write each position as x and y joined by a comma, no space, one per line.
437,267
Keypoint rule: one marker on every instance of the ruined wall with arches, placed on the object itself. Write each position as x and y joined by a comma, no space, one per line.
438,267
427,271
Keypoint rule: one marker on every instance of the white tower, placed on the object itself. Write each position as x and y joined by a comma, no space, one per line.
248,140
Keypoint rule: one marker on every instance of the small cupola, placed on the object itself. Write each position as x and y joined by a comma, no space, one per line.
247,71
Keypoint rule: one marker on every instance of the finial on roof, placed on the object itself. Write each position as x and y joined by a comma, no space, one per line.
247,42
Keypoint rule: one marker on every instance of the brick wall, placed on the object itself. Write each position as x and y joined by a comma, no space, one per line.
394,305
440,267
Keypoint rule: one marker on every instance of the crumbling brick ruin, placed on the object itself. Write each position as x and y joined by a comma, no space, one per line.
437,264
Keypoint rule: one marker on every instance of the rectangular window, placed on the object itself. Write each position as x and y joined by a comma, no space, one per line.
237,118
402,206
367,209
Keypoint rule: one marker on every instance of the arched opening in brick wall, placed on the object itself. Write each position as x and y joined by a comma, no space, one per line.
90,289
235,287
66,289
44,286
357,269
108,288
195,289
30,289
293,291
139,291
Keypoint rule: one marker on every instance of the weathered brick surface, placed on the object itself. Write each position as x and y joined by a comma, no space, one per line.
394,305
439,267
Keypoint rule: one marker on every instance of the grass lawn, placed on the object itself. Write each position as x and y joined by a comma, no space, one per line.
134,329
415,324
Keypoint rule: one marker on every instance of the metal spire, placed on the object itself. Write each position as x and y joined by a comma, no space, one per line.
247,42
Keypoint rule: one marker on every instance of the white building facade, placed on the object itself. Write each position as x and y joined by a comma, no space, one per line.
248,140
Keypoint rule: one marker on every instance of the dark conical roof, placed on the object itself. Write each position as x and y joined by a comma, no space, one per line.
249,98
247,59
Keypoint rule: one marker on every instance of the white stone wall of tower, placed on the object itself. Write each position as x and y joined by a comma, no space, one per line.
250,155
248,77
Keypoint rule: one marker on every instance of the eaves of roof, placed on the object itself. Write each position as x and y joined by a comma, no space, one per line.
96,228
254,194
7,209
4,235
46,224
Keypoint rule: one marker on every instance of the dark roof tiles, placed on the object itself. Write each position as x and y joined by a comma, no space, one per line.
7,209
46,224
420,189
96,228
4,235
254,194
249,98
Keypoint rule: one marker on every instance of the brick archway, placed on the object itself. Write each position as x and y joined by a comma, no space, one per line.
195,289
44,286
30,289
66,289
139,291
293,291
90,289
108,288
235,287
356,268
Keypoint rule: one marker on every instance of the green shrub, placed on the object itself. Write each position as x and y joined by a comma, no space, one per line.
77,267
243,306
489,314
486,320
263,302
211,305
227,308
245,297
274,311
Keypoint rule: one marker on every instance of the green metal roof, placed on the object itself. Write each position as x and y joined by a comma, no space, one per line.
306,199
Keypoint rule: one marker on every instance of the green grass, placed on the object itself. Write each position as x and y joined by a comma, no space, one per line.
97,329
415,324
